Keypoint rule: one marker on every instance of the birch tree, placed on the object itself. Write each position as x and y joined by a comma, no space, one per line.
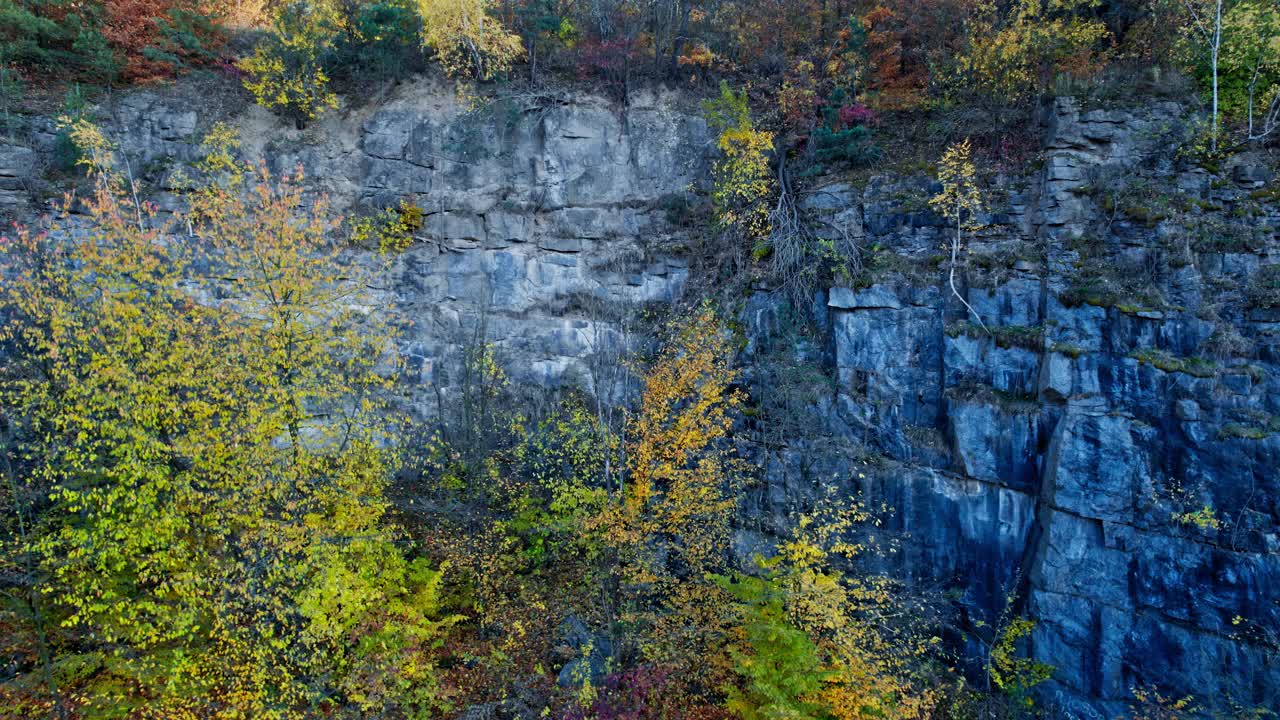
959,201
1206,22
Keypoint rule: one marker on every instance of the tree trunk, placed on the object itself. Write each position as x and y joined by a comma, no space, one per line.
677,43
955,256
1216,48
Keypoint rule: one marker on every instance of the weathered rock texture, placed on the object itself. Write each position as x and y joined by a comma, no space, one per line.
538,217
1106,456
542,214
17,170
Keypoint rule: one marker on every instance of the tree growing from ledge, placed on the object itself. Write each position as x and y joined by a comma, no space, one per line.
960,201
286,72
743,183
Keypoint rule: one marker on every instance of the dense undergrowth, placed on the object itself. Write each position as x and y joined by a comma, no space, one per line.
198,451
214,511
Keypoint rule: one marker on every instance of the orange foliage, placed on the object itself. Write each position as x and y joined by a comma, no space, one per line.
672,525
783,28
133,26
130,27
678,472
905,38
798,98
895,79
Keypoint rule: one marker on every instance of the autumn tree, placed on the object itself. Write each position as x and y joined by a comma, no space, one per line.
743,182
1013,54
673,22
812,641
960,201
1251,61
133,40
1149,704
677,453
206,411
798,97
467,39
628,549
843,135
1234,47
669,526
154,38
287,72
781,28
1206,26
1013,675
895,78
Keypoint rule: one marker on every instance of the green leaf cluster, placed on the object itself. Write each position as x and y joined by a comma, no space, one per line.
780,668
55,34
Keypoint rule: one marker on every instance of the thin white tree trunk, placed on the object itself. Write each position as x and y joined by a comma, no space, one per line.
1217,46
1214,41
955,255
1261,127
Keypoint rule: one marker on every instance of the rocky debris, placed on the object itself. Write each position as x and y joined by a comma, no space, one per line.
589,655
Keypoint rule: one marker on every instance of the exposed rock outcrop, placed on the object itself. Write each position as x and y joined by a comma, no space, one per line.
17,171
542,214
1107,455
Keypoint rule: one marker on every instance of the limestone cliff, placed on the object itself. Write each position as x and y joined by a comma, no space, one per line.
1106,454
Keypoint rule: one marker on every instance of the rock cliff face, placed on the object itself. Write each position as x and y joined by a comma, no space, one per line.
542,214
1104,457
538,216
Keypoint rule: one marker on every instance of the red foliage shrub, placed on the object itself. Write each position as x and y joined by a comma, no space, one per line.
857,114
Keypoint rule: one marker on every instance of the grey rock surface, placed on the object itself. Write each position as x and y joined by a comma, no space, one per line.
17,173
544,219
1107,456
1103,459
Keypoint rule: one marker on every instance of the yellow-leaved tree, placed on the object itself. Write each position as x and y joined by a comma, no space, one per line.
743,182
627,552
206,410
1015,52
467,39
960,201
668,528
811,641
286,71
